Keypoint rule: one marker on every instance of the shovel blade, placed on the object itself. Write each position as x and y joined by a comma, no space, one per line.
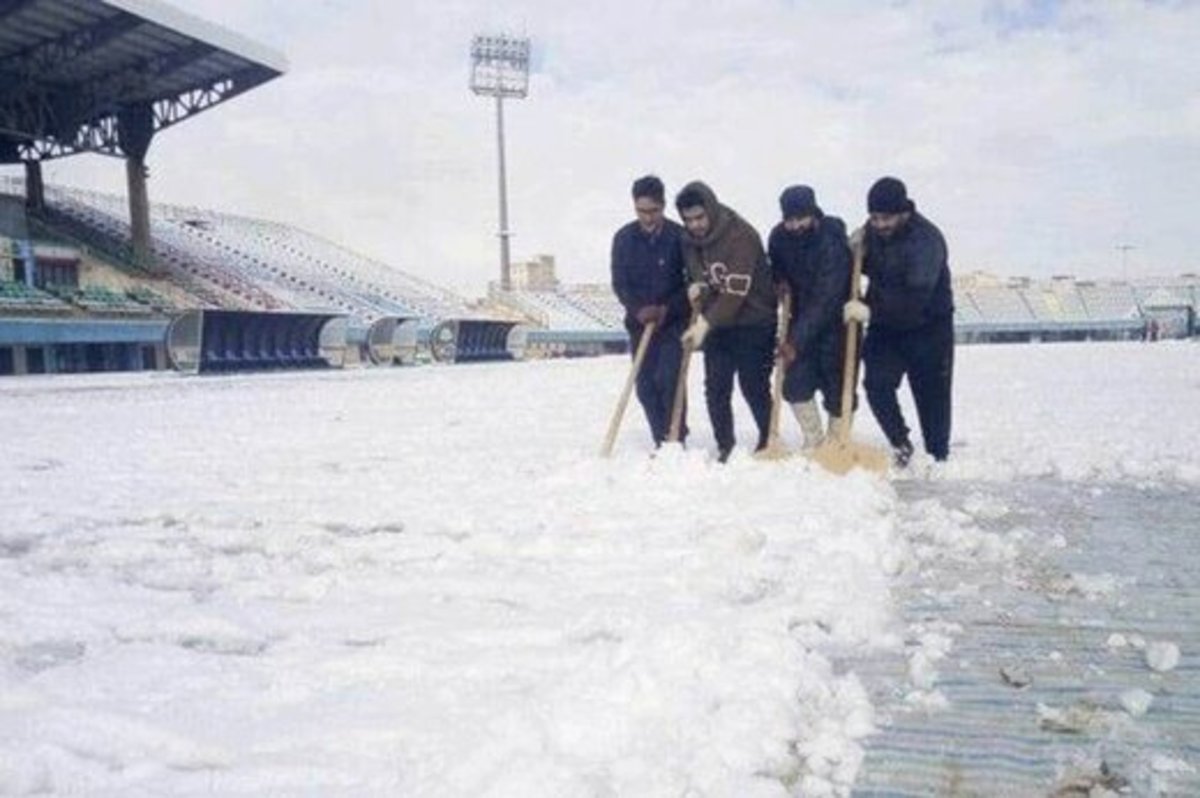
841,458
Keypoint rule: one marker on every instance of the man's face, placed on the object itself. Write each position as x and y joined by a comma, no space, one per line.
649,214
887,224
695,219
799,225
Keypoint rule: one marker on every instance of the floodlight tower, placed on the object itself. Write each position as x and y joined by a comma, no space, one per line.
500,69
1124,250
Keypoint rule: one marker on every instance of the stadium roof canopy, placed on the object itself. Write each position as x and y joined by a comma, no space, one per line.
105,75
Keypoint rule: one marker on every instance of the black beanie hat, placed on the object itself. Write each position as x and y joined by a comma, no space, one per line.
798,202
888,195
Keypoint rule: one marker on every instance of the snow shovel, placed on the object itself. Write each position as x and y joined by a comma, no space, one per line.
838,454
619,413
676,428
775,450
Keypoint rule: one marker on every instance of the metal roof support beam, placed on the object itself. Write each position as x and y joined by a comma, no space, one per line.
42,136
81,64
41,61
173,110
10,7
99,136
136,80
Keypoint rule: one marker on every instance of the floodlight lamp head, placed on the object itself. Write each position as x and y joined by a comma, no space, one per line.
500,66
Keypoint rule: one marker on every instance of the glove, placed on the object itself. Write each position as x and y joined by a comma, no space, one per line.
856,310
695,334
651,314
696,291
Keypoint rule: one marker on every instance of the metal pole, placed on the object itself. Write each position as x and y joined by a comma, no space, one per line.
505,265
1124,248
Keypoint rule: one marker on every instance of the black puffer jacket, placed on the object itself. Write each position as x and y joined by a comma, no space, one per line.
730,260
910,276
816,267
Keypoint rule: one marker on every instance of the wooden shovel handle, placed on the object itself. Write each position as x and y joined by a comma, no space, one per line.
781,331
849,363
614,425
676,428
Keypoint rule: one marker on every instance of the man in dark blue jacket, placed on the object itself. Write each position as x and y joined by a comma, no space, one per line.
648,278
810,262
910,305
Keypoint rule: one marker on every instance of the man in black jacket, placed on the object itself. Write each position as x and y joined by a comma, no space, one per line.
810,262
648,278
910,306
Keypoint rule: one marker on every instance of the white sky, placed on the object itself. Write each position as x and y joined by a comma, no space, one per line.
1038,135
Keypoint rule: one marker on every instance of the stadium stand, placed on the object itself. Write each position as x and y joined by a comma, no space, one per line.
965,309
1108,301
552,310
1001,304
1174,292
207,260
1055,303
261,264
1170,306
98,299
21,298
599,302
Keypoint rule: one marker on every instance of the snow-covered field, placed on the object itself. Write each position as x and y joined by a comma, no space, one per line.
425,582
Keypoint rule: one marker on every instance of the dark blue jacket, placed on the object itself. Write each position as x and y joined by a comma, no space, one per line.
648,270
910,276
816,267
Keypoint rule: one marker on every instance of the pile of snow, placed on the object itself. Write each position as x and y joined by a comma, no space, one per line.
425,582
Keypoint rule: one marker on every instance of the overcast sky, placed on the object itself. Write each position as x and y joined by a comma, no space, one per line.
1039,136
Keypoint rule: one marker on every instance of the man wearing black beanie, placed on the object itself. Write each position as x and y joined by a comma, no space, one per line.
910,306
810,262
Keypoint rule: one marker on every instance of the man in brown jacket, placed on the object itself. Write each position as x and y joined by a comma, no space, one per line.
730,285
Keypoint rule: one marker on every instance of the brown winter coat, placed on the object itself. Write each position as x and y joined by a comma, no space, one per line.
731,262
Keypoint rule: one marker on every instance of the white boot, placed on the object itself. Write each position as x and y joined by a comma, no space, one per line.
810,423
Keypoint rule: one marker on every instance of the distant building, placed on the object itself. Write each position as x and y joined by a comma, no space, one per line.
535,275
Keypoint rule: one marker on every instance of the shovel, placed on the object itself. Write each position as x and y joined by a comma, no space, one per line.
619,413
676,428
775,450
838,454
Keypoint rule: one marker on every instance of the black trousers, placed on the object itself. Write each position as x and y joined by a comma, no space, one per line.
747,353
924,355
818,368
657,378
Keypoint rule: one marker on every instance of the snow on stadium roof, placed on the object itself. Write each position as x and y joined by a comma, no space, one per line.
72,70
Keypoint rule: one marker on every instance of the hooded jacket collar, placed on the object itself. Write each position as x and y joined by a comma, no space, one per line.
719,216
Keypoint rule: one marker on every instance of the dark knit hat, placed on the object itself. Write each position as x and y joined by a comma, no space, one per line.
797,202
888,195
